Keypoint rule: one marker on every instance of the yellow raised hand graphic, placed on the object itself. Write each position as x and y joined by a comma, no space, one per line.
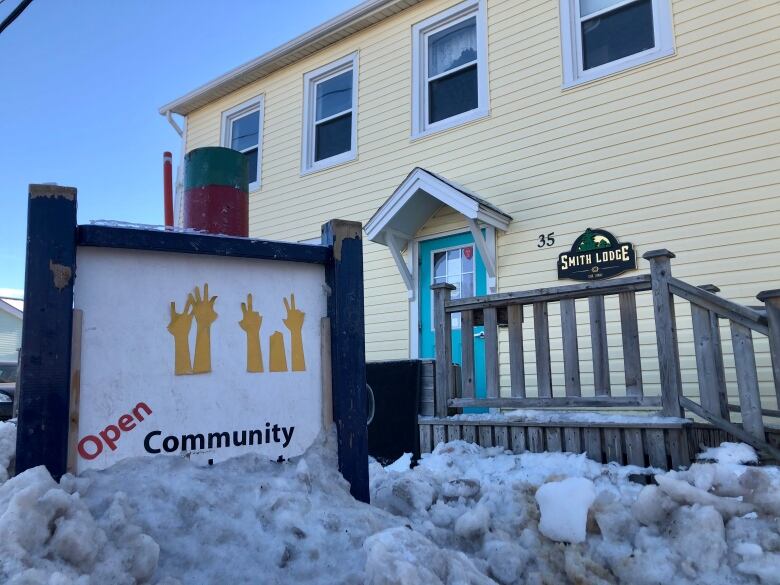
179,327
278,359
294,322
205,315
250,323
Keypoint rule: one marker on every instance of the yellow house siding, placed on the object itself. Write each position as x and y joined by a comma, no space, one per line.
682,153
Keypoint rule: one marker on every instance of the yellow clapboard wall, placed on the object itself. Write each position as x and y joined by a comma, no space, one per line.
682,153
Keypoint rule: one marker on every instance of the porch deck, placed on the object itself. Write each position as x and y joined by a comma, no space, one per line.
688,420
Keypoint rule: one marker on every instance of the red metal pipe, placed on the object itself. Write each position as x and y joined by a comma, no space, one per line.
168,188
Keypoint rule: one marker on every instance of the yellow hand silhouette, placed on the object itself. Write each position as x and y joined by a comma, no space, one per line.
179,327
250,323
294,322
205,315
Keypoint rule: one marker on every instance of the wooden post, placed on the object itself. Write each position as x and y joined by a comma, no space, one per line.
598,337
344,276
442,325
44,384
666,331
771,299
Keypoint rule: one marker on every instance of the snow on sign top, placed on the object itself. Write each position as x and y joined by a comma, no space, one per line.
196,355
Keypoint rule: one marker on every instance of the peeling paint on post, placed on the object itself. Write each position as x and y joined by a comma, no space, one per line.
344,276
44,382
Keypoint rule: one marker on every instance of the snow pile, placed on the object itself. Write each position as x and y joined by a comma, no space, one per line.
714,523
739,453
564,506
464,516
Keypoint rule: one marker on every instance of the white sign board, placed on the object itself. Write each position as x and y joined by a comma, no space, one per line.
177,358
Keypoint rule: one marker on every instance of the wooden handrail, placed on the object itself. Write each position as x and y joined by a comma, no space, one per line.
724,308
541,295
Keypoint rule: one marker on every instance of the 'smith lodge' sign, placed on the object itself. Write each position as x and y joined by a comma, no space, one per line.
187,344
594,255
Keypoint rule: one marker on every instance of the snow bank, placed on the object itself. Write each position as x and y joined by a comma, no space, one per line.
464,516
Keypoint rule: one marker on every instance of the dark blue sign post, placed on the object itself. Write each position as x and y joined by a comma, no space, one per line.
53,237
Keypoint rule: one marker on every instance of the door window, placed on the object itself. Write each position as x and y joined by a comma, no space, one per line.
455,266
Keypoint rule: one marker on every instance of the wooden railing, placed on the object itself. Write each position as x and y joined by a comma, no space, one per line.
707,310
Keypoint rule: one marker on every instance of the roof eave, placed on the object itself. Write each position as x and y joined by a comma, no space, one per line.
363,15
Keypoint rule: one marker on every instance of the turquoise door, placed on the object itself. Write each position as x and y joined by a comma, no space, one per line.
452,259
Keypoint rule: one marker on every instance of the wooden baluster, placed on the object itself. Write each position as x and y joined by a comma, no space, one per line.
706,365
542,343
771,299
571,352
717,348
516,359
598,336
629,329
747,380
467,353
492,373
443,340
666,331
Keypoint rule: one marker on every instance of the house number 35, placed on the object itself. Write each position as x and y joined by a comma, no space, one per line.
546,240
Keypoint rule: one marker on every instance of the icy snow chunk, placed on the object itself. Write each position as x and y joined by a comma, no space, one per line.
685,493
564,508
653,505
730,453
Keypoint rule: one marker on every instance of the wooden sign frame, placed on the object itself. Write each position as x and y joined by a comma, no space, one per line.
45,382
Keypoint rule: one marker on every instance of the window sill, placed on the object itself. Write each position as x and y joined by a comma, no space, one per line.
450,123
328,163
611,69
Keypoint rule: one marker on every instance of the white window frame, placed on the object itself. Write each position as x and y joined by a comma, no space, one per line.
256,104
571,43
310,82
420,34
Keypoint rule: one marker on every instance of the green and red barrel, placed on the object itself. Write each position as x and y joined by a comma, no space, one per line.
216,191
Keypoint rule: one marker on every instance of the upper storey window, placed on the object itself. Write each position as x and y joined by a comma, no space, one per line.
330,115
242,128
450,68
600,37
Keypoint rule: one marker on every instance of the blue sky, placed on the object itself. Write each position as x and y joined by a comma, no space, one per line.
80,85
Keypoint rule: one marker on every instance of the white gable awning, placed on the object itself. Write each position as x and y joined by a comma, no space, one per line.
413,203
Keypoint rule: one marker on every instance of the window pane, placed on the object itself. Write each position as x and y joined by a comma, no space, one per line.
439,269
468,285
453,265
244,131
452,47
468,259
591,6
618,34
334,95
333,137
453,94
251,163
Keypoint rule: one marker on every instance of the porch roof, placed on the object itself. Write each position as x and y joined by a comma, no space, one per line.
418,197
